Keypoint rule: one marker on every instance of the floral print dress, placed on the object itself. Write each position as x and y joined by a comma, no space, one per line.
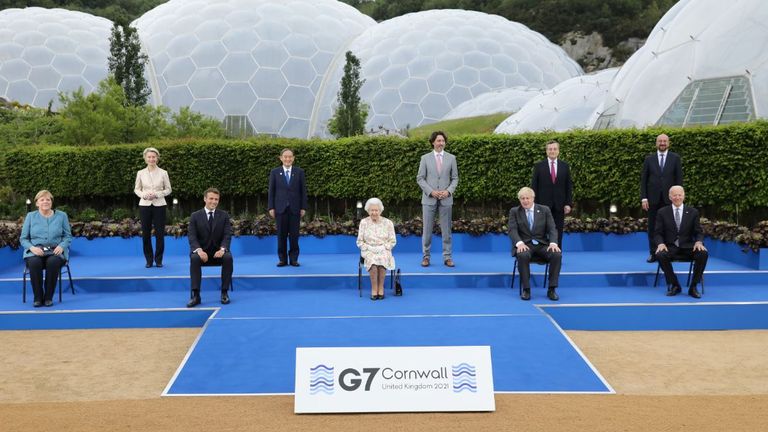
376,240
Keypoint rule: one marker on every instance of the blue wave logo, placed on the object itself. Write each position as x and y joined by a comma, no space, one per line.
464,378
321,379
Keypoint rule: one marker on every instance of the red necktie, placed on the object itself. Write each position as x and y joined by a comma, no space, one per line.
552,171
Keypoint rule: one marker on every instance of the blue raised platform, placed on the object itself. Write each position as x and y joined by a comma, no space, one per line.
605,285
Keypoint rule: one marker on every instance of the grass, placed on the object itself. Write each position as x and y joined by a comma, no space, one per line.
464,126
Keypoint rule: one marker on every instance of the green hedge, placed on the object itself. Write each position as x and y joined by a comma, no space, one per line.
723,166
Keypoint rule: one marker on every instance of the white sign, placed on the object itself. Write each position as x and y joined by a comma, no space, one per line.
401,379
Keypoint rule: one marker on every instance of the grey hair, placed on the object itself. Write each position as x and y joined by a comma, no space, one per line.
372,202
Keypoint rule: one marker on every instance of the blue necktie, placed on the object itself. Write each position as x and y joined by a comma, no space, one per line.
530,219
288,176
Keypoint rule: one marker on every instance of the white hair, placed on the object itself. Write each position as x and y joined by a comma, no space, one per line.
374,202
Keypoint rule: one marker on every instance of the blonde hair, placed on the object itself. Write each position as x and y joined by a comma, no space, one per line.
42,193
150,150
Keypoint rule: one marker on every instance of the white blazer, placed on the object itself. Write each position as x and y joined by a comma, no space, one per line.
157,182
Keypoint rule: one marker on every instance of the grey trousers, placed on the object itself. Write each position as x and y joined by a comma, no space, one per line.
428,215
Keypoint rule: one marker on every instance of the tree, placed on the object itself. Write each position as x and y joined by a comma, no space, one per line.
126,64
351,113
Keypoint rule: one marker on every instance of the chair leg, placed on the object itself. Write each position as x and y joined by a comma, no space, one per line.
60,284
546,275
392,280
656,280
69,276
359,280
690,271
24,287
514,273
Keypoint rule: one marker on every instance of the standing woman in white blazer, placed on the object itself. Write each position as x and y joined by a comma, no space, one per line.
152,186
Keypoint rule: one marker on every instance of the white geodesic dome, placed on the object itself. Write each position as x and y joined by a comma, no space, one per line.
573,104
420,66
256,63
705,62
494,102
47,51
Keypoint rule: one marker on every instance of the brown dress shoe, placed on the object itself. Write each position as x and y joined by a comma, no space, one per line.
449,263
425,262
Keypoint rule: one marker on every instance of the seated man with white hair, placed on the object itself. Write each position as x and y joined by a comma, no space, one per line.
376,239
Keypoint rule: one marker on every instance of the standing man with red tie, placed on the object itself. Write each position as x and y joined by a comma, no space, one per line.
553,186
661,171
287,202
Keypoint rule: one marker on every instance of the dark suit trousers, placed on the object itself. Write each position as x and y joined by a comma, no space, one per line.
288,228
52,265
652,210
675,253
559,216
539,251
196,264
152,216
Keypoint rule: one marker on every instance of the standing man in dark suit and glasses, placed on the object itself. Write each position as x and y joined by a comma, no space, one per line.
679,236
438,177
532,230
661,171
210,232
553,186
287,202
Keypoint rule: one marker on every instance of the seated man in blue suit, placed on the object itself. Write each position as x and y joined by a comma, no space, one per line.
678,235
534,233
287,203
210,231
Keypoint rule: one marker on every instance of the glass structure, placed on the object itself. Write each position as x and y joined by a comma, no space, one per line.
705,62
47,51
572,104
494,102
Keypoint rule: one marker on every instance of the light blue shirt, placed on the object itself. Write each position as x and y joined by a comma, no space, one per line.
41,230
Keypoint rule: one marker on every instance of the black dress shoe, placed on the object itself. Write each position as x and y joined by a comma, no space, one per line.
552,295
148,265
159,264
381,296
282,264
295,264
374,297
48,303
693,292
651,259
194,301
673,291
224,298
526,295
37,303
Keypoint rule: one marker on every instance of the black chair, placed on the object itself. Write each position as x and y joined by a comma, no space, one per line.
64,268
690,273
360,265
534,260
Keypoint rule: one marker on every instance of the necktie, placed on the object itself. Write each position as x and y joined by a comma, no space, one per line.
210,221
439,162
552,172
677,218
288,176
529,212
661,164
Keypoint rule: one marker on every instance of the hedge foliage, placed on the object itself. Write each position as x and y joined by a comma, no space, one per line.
723,166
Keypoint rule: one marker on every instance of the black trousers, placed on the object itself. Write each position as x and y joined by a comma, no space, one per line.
153,217
196,273
52,265
540,250
652,210
559,216
675,253
288,229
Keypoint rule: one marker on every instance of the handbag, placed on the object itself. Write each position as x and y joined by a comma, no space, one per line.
398,284
47,250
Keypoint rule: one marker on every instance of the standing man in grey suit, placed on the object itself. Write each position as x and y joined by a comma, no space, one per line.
661,170
533,233
438,177
553,186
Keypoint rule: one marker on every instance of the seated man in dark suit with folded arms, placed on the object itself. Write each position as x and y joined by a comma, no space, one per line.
533,233
210,231
679,236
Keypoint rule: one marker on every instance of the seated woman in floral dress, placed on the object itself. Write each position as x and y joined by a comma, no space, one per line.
376,239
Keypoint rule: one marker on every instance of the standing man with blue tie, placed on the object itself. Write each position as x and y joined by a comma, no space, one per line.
287,203
661,171
553,186
438,177
533,233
